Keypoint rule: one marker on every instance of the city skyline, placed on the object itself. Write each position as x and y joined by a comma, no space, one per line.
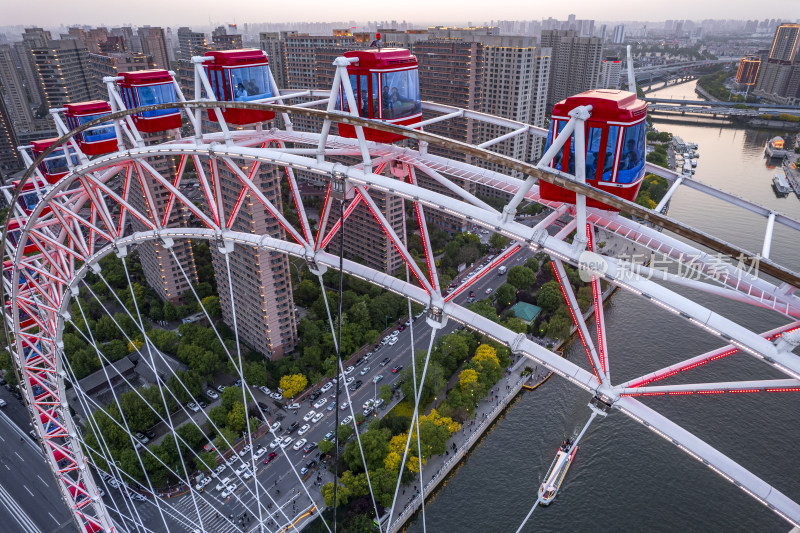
201,12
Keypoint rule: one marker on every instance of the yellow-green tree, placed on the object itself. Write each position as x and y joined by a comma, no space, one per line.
135,345
293,384
451,425
484,352
466,379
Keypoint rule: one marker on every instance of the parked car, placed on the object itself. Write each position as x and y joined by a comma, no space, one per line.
328,386
367,411
244,451
221,388
349,369
193,407
347,420
294,425
395,333
202,404
265,390
368,404
329,435
314,396
309,415
393,341
303,471
276,396
379,403
142,438
150,434
293,406
275,427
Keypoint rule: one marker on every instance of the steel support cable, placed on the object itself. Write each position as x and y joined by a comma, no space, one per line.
413,357
338,336
160,390
133,388
230,357
414,416
185,388
105,451
539,499
245,391
126,474
116,399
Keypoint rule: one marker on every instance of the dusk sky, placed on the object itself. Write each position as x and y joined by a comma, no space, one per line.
199,12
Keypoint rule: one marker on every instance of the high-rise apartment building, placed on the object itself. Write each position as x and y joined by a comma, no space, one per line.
262,288
610,73
12,89
113,64
191,43
619,34
222,40
10,159
779,76
575,63
274,44
62,69
747,73
154,44
32,38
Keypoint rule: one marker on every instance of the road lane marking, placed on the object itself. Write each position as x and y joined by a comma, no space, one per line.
16,512
54,518
29,490
18,455
43,481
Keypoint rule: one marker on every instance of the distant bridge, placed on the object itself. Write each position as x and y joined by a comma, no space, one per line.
651,73
716,108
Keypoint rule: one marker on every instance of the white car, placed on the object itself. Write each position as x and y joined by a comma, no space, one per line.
265,390
261,451
241,469
344,406
395,333
113,483
299,444
393,341
275,443
349,369
193,407
368,404
347,420
365,370
244,451
247,474
202,483
286,441
228,490
317,418
349,380
328,386
309,415
276,396
320,403
303,430
218,470
275,427
212,394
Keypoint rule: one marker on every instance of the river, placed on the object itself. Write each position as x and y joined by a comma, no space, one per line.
625,477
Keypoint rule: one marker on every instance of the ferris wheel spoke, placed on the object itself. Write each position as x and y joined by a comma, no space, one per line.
426,238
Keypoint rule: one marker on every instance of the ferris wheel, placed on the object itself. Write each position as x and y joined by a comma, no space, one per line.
113,186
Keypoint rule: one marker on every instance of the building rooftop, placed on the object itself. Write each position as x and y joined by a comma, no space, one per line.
525,311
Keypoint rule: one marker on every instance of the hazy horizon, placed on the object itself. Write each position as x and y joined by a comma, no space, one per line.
419,12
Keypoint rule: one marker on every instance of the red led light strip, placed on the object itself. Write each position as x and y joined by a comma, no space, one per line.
482,273
597,297
575,320
171,202
338,224
320,229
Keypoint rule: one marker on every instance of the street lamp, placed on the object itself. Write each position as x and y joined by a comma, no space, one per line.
386,319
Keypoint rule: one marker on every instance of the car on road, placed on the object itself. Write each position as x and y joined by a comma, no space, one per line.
329,435
211,394
275,427
241,469
223,483
202,483
395,333
228,490
294,425
347,420
314,396
265,390
303,430
365,370
138,497
379,403
344,406
202,404
275,443
286,441
396,369
377,378
221,388
3,403
309,415
319,403
317,418
276,396
312,463
150,434
489,290
393,341
113,483
292,406
369,403
328,386
304,471
218,470
247,474
299,444
331,407
349,369
270,457
349,380
237,383
368,411
354,387
142,438
260,452
385,361
244,451
310,447
193,407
